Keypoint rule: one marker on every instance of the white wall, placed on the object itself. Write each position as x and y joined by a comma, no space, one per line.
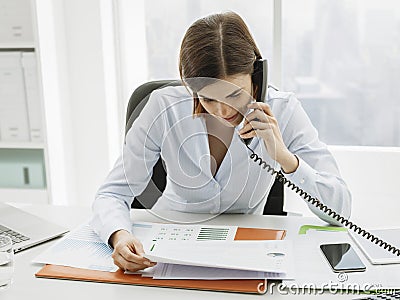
131,47
80,95
52,50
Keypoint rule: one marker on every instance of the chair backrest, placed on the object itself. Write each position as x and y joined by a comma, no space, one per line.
157,183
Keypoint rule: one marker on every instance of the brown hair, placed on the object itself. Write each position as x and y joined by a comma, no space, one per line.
216,46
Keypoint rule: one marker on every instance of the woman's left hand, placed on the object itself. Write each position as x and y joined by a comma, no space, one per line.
262,123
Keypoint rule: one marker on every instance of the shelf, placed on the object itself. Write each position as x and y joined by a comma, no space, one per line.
24,164
21,145
34,196
21,46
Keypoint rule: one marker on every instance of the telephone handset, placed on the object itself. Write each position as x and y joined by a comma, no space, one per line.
259,78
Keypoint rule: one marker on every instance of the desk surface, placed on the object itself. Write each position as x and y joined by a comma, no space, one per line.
26,286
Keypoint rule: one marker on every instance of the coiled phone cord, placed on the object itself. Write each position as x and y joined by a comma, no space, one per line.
314,201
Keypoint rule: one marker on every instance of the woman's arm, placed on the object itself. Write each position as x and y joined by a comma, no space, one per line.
131,173
317,172
292,141
128,178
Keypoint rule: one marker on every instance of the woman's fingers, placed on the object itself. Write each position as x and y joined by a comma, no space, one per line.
260,118
126,265
262,123
136,246
251,129
128,253
261,111
257,124
127,260
256,114
261,106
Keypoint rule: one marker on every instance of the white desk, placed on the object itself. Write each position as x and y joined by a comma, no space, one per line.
26,286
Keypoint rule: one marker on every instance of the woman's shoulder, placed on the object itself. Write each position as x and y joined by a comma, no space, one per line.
282,103
173,99
171,93
276,96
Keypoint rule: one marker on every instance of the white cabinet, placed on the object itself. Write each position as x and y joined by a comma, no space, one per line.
73,42
16,30
24,171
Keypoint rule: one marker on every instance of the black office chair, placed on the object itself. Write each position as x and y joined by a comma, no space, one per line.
156,186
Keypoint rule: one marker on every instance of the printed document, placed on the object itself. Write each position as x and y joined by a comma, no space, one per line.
263,256
83,248
170,271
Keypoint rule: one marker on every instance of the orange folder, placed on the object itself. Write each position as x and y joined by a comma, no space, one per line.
258,286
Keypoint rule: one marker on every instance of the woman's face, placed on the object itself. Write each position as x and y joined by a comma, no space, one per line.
227,98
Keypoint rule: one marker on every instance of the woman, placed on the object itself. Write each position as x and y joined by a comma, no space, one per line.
199,128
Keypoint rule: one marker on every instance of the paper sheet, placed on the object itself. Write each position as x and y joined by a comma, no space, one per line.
81,248
264,256
375,253
169,271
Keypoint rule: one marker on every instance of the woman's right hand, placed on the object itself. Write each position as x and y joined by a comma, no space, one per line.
128,252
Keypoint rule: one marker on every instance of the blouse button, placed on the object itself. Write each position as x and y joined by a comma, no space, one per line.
302,181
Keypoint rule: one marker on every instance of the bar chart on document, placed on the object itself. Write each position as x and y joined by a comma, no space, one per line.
147,232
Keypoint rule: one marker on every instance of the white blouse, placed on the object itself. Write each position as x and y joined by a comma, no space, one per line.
167,128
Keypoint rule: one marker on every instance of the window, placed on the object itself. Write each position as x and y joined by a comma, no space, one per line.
341,58
167,21
150,33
